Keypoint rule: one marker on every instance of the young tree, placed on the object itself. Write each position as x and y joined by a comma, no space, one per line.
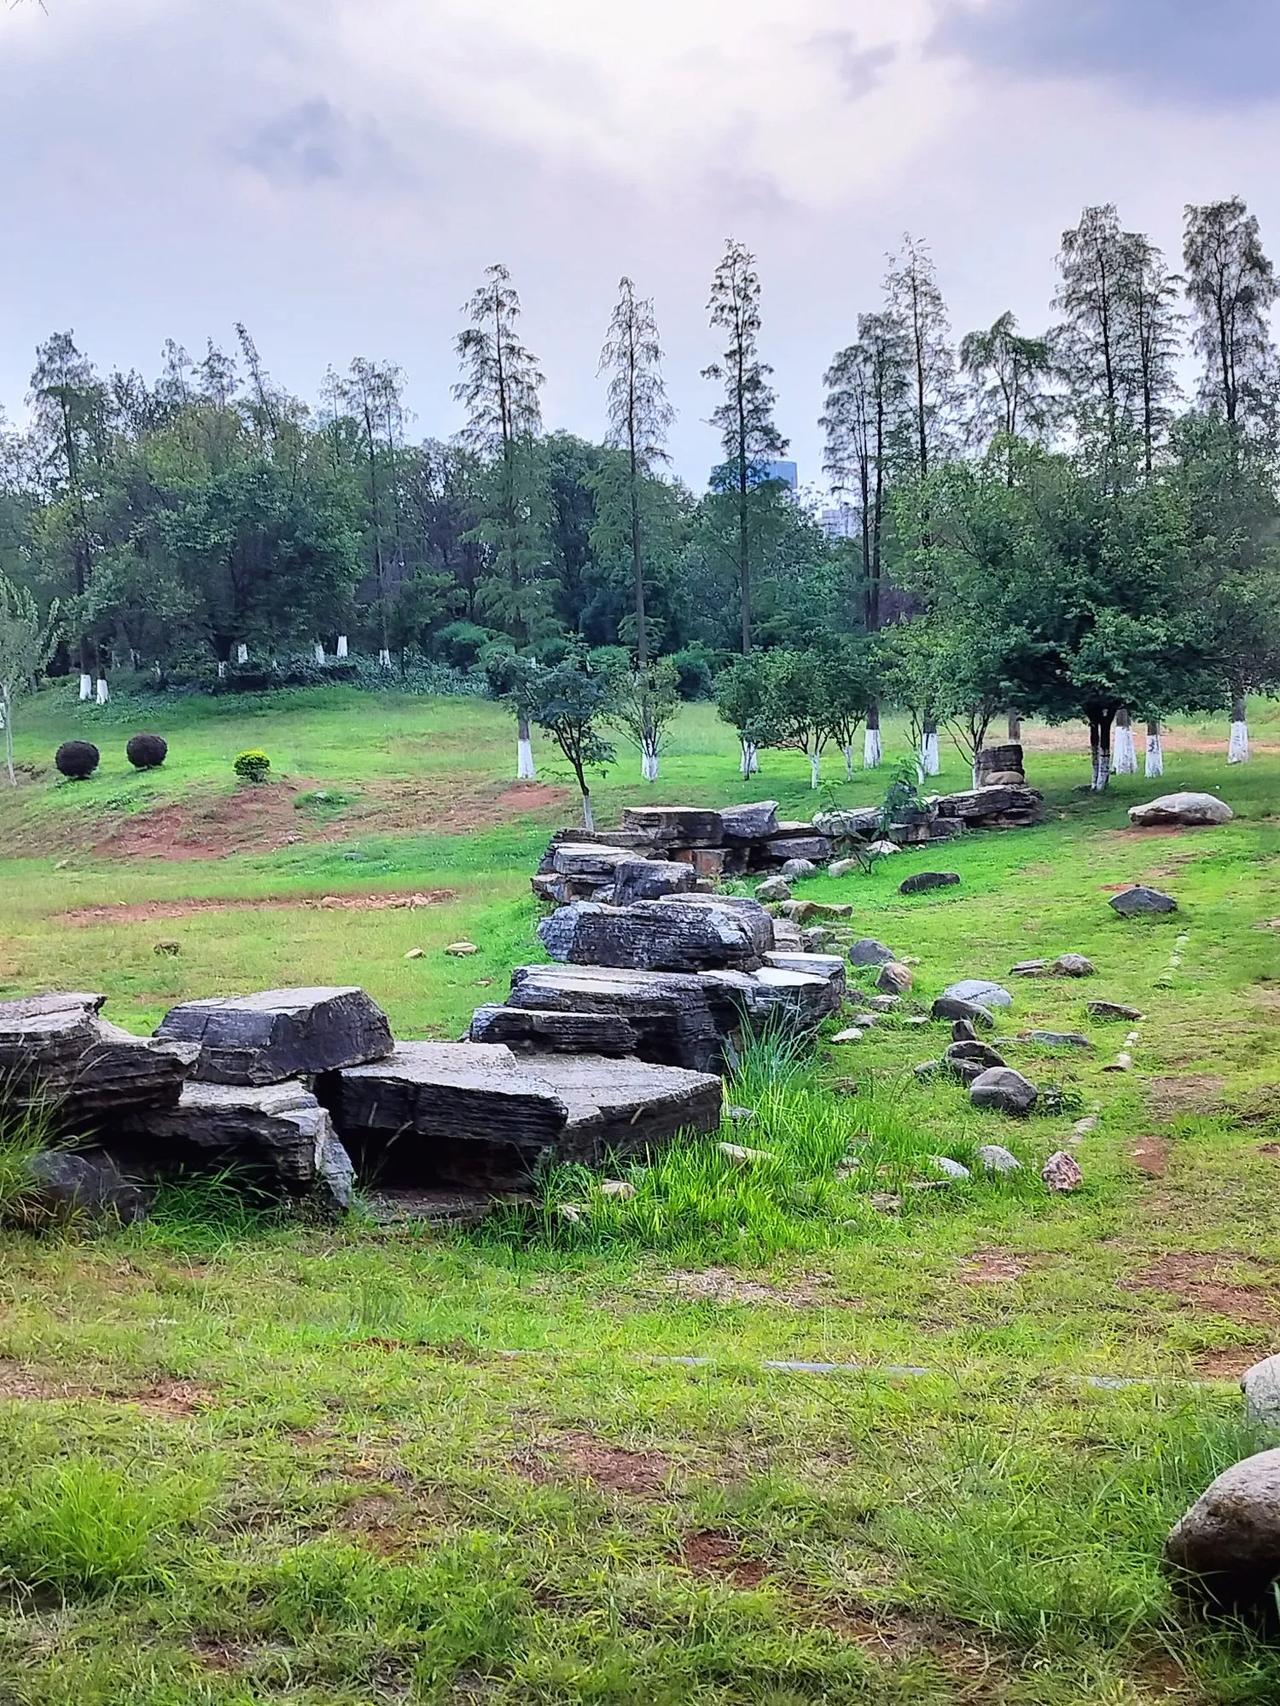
371,394
26,645
1009,377
645,706
742,701
915,307
1232,287
639,416
798,707
499,389
745,418
571,701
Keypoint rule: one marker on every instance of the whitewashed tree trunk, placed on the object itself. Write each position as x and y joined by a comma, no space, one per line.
930,759
1238,744
222,669
588,816
103,691
847,749
1155,751
973,772
871,754
242,653
648,763
384,658
525,768
342,646
750,758
6,723
318,652
815,769
86,687
1125,754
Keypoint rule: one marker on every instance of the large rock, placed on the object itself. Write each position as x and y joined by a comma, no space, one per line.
475,1112
63,1187
1226,1548
866,951
1189,810
859,824
650,879
815,848
276,1034
1141,900
894,978
982,1053
1002,805
538,1030
980,990
684,933
589,859
1002,1088
1261,1388
971,1012
757,821
676,826
278,1135
923,881
57,1051
667,1018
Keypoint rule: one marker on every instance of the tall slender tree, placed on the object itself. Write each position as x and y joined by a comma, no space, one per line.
1010,398
1093,344
499,390
914,303
744,418
1232,287
1149,293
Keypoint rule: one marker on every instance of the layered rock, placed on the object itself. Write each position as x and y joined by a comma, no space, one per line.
1186,810
1002,806
276,1034
56,1051
679,933
650,879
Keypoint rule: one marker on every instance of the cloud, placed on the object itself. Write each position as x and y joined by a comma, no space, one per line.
1213,53
311,143
857,68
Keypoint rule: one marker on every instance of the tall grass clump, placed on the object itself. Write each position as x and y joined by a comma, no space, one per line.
27,1127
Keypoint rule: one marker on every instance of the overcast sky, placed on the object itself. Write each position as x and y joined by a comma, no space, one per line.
337,173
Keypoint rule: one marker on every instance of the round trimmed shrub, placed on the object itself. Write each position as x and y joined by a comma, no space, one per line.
146,752
252,765
77,759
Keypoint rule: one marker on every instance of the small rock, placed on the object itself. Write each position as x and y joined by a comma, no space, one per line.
995,1158
865,1020
965,1070
1113,1010
814,939
884,1003
983,1053
866,951
460,950
1072,965
923,881
963,1032
1182,811
851,1034
1003,1089
806,911
1061,1172
894,978
743,1156
1227,1546
1057,1039
883,848
570,1211
886,1202
981,990
793,868
1261,1388
927,1069
1122,1063
1139,900
844,867
622,1189
773,888
740,1116
1083,1127
1028,968
415,953
952,1007
63,1187
916,1019
949,1168
169,948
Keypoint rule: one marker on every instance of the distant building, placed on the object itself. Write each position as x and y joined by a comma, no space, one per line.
724,477
838,521
774,470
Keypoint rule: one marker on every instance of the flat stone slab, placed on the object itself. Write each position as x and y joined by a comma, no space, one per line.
1005,802
57,1050
649,879
1187,811
1113,1010
668,1018
1141,900
1057,1039
545,1029
589,859
980,990
683,826
678,933
476,1113
859,824
276,1034
757,821
277,1133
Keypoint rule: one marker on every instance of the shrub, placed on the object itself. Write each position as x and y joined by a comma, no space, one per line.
252,765
459,644
77,759
147,752
694,671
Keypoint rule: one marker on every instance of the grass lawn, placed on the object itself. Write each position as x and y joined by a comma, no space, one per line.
551,1461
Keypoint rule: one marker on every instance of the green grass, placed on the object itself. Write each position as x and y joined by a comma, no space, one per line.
550,1460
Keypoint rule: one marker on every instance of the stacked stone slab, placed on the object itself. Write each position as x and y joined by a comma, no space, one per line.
677,982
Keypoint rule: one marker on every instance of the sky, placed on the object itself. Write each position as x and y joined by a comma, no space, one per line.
338,173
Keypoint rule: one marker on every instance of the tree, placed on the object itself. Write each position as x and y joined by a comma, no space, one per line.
371,394
743,701
798,708
571,701
745,418
499,389
1094,346
26,644
1232,287
1150,293
639,416
1009,376
914,305
646,704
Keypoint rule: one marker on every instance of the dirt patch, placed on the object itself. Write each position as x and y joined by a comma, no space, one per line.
639,1474
226,1657
1231,1361
991,1267
1150,1155
154,911
161,1398
709,1554
1199,1281
722,1285
1189,1093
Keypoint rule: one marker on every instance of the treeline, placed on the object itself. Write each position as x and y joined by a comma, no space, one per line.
1039,524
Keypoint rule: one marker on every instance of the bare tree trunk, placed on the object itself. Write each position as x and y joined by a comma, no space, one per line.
1100,748
525,768
871,750
1015,726
1238,744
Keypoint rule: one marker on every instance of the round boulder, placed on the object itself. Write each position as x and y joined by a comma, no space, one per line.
63,1187
773,888
1003,1089
1183,811
794,868
1261,1388
923,881
995,1158
894,978
1227,1547
980,990
866,951
1141,900
980,1018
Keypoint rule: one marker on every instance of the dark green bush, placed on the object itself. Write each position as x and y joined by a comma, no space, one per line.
694,670
146,752
77,759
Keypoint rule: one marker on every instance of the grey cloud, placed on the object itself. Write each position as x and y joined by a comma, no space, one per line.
312,142
858,68
1213,53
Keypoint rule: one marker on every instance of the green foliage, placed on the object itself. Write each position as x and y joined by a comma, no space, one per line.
252,765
